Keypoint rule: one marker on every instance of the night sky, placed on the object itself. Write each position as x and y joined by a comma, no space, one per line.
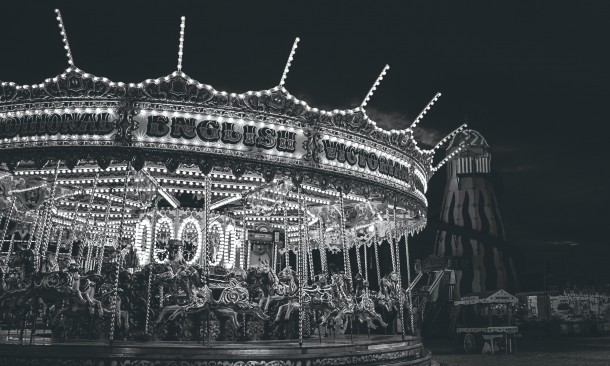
531,76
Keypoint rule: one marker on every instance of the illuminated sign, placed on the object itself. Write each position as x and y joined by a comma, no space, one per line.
240,135
260,237
265,237
364,159
225,132
52,124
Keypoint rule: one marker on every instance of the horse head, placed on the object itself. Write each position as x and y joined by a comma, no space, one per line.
90,282
25,258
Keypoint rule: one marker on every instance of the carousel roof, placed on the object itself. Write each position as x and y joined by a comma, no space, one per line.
178,87
175,131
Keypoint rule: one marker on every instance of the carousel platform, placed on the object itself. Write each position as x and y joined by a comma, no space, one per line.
361,350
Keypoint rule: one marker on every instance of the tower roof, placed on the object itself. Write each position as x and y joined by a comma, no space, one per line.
471,137
473,140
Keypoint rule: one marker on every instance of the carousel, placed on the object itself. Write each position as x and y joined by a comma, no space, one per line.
166,221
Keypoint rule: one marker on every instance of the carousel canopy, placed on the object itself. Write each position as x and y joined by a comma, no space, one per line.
262,150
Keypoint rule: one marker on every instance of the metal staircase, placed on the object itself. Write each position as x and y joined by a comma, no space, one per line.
432,292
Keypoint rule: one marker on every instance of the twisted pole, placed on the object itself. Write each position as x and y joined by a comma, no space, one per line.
409,297
246,245
401,310
60,231
347,265
205,260
205,256
8,221
46,233
376,247
301,258
358,259
34,227
11,243
308,248
390,241
100,253
72,234
86,241
115,288
322,248
90,246
151,251
286,258
366,264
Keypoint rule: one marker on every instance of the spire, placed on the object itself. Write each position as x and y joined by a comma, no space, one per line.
64,36
181,44
377,82
287,68
428,106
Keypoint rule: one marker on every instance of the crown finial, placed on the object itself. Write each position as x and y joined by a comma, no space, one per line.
181,44
374,87
289,62
446,138
64,36
422,113
461,147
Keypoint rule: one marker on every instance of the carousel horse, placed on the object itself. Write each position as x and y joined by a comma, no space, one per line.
175,276
365,310
14,289
124,297
185,278
200,301
389,292
48,287
180,277
318,297
283,286
48,293
235,299
13,279
49,263
90,286
342,299
259,280
64,261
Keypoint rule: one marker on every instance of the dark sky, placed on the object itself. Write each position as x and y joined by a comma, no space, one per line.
531,76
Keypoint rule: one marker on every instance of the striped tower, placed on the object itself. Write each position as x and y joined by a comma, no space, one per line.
470,224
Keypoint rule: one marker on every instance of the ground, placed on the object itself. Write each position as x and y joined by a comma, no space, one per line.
534,350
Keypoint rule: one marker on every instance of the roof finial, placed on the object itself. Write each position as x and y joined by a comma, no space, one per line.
64,36
181,44
377,82
287,68
422,113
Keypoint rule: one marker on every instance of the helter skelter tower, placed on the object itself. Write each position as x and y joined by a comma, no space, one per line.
471,225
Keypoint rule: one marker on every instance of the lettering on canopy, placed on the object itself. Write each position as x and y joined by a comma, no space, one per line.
223,132
338,151
57,123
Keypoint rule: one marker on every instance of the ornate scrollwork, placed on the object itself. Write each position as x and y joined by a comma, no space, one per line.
177,88
275,102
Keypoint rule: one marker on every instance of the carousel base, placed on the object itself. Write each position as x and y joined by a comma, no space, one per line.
359,350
